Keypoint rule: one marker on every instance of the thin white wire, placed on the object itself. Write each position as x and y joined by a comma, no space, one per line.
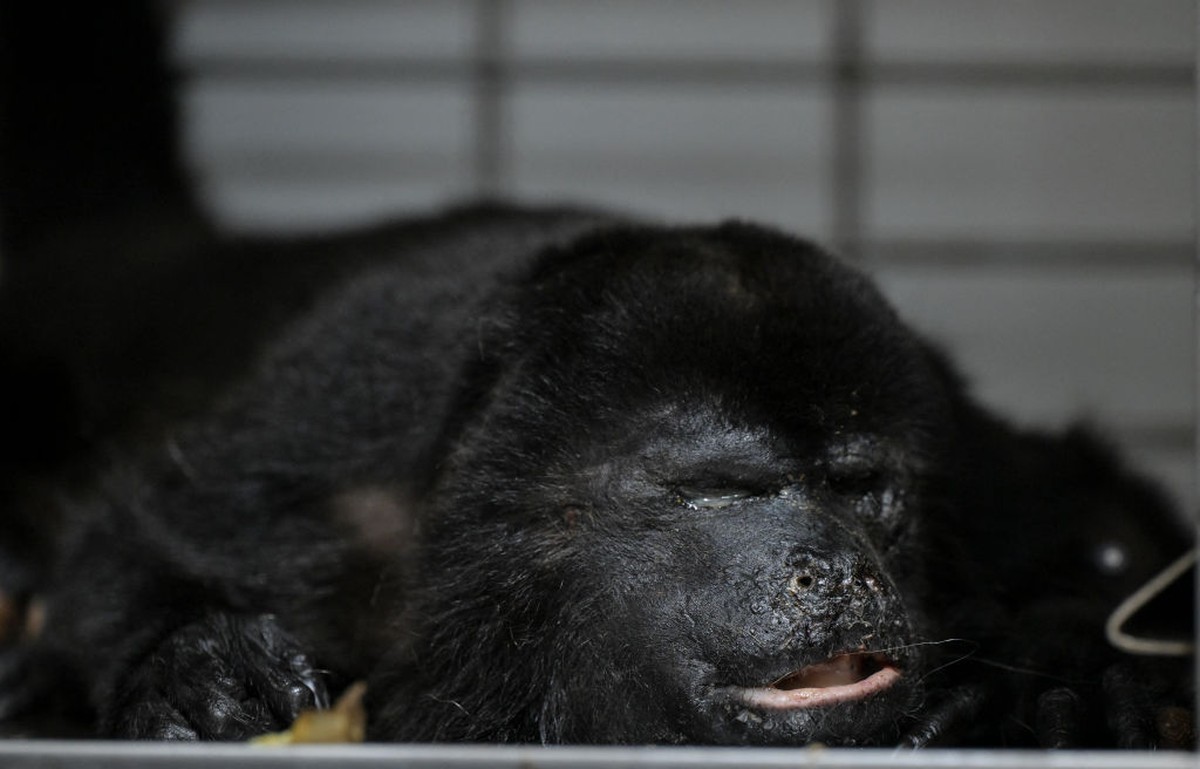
1115,628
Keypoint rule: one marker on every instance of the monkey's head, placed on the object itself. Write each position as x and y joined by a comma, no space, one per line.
685,506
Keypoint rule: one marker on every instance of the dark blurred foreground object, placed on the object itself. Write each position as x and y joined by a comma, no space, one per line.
94,209
121,309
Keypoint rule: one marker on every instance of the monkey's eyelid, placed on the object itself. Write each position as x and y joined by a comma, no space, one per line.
863,472
861,478
713,498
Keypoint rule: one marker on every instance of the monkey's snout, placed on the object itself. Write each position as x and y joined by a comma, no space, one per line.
814,576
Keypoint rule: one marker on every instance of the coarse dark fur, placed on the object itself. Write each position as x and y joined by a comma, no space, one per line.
1051,532
487,462
544,476
535,484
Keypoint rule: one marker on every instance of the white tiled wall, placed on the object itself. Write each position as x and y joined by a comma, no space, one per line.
315,113
312,155
1053,164
1032,30
672,29
1053,345
318,30
681,153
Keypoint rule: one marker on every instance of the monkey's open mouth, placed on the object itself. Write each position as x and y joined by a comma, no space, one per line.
841,678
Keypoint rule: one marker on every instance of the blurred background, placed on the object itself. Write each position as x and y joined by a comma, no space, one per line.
1018,174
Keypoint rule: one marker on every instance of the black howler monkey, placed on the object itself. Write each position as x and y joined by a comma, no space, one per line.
549,476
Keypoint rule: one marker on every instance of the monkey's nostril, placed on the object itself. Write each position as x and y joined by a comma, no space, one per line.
800,582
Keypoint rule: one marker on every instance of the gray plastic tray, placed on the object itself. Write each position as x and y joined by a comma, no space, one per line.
102,755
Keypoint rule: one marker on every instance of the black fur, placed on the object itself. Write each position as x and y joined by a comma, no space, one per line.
550,477
501,477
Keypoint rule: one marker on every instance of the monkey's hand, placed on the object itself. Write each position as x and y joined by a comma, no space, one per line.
224,677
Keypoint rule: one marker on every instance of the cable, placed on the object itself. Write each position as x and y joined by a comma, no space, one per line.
1114,628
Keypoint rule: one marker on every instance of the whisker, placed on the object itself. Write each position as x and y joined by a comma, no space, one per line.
974,647
1007,667
918,644
950,663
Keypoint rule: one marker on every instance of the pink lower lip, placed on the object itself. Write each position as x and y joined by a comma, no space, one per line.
806,697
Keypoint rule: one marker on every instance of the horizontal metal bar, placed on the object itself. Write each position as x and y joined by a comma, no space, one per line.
330,70
102,755
306,166
250,159
699,71
283,169
1032,75
1030,254
590,71
1158,437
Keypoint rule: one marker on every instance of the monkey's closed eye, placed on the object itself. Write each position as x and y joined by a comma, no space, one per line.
855,480
709,498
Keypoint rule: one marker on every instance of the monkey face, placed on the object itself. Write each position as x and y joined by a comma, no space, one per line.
690,510
741,594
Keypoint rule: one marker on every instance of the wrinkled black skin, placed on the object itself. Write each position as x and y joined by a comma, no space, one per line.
538,422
